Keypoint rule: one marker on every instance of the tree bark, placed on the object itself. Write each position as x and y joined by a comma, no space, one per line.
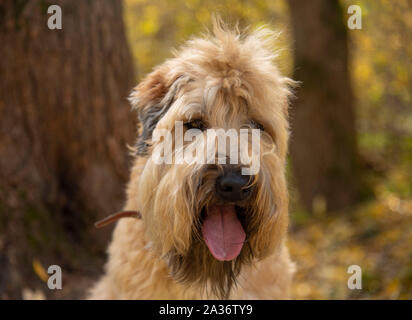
323,146
64,127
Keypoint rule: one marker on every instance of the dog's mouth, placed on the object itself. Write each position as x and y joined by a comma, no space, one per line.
223,232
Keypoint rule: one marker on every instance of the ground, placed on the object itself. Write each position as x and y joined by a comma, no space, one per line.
376,235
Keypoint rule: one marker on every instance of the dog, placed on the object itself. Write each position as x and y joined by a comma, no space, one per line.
207,230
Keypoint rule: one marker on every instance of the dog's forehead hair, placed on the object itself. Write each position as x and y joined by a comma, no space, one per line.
213,104
186,106
224,109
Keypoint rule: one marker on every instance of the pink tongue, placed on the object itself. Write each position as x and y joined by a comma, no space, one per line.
223,233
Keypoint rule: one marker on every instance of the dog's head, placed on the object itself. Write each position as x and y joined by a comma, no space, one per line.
216,118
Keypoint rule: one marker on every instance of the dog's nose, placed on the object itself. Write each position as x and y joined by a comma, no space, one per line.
233,186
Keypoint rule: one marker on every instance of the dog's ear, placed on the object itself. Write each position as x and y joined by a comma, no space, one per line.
152,98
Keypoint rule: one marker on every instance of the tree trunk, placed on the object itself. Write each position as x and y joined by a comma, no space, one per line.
64,127
323,146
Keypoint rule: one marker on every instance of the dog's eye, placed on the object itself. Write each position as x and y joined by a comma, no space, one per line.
195,124
257,125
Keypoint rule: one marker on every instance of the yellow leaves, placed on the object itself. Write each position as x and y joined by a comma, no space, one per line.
366,43
203,15
155,26
380,58
376,91
150,23
351,255
393,289
381,68
363,71
374,236
135,2
192,3
29,294
377,210
39,270
393,202
302,290
316,232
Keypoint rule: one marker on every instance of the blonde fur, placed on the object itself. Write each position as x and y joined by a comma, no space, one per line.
227,79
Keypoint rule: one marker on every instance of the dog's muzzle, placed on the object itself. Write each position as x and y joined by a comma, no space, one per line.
232,186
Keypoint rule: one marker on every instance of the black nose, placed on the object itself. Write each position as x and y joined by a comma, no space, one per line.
233,186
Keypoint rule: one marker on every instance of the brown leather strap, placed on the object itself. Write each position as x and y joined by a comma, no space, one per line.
116,216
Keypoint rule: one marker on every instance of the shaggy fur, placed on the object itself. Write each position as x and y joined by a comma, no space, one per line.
225,80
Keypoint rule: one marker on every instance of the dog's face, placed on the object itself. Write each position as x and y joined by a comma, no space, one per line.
208,218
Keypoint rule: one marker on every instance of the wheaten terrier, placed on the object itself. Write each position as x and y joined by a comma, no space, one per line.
208,228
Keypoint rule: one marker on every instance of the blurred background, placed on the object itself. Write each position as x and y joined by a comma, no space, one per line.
65,124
